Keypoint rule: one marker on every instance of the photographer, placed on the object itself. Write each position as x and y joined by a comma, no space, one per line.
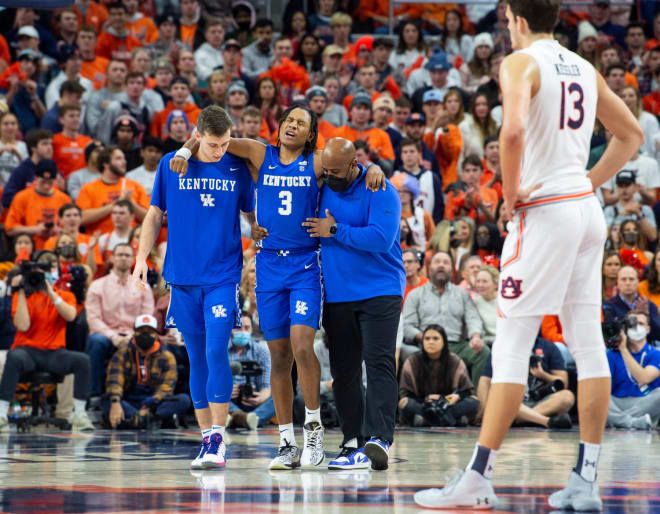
635,368
251,402
435,387
546,401
40,314
140,381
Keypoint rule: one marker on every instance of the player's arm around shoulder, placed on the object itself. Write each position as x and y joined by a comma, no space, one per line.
253,152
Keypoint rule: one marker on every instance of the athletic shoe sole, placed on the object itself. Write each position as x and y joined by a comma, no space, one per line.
377,456
578,505
339,467
213,465
283,467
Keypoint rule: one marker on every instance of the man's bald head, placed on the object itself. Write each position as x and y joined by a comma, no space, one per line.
338,153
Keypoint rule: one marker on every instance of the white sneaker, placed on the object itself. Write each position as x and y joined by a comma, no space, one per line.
4,424
468,489
578,495
81,422
214,458
196,463
313,453
288,457
252,421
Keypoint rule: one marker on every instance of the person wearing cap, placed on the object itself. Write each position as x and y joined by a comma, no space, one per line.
600,18
94,66
437,73
180,91
360,128
383,112
237,100
30,34
33,209
89,173
497,25
414,129
99,100
432,106
141,378
179,127
419,219
21,91
69,145
125,132
151,153
587,41
116,41
231,54
243,18
446,141
71,93
71,62
628,206
209,55
317,99
258,55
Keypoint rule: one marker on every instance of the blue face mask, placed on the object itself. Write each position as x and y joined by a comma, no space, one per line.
51,277
241,338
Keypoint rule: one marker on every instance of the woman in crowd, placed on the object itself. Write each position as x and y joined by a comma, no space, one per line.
477,71
454,41
335,113
588,44
486,283
266,101
650,288
410,46
633,246
435,387
406,238
217,89
420,221
309,56
455,108
613,241
12,151
649,123
488,244
478,127
66,249
611,265
296,29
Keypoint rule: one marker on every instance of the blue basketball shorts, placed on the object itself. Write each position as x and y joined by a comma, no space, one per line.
289,291
203,309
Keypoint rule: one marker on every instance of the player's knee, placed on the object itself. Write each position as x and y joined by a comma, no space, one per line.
304,354
510,354
566,400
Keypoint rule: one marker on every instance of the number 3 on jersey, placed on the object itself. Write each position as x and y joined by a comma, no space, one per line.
286,197
573,123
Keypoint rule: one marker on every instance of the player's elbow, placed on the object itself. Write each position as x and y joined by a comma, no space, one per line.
512,135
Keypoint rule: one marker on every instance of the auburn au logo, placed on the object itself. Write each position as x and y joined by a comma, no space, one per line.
511,288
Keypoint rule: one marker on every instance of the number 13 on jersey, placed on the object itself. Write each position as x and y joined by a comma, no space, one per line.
575,116
286,198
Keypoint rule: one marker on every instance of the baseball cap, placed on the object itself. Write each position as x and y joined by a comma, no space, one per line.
145,320
28,53
384,101
433,95
316,91
361,97
46,168
438,61
231,43
237,85
364,43
67,52
415,117
180,80
28,31
90,148
167,17
333,50
125,120
626,177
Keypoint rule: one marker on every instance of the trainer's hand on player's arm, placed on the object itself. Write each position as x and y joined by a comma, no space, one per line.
116,415
140,274
258,233
375,178
320,227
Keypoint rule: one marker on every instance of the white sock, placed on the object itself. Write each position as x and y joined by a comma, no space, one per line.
79,406
483,461
351,443
287,436
207,433
217,429
587,463
313,415
4,408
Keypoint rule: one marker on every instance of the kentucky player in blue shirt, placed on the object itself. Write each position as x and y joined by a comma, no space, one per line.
203,266
289,287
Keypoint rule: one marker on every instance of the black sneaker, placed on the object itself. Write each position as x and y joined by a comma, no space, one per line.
562,421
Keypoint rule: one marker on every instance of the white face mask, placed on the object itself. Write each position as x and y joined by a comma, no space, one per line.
636,334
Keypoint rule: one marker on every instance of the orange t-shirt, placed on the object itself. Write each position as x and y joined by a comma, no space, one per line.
378,139
326,129
188,34
422,281
112,47
95,16
69,154
643,289
47,328
95,71
143,26
82,241
97,194
447,148
4,50
159,123
488,176
488,197
29,208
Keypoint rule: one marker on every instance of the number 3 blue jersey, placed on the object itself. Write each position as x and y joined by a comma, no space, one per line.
203,216
287,194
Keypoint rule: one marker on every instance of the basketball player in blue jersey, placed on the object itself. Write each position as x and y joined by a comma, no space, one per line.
289,287
203,266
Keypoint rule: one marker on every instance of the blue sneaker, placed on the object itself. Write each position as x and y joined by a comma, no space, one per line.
203,448
350,458
214,458
378,452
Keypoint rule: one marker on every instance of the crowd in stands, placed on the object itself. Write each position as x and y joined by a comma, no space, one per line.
92,96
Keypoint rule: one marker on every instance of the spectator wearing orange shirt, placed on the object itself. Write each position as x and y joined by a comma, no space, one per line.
69,145
116,42
420,221
93,66
446,142
180,91
317,99
413,267
33,210
190,13
360,128
340,24
95,14
97,198
470,198
139,26
367,76
492,176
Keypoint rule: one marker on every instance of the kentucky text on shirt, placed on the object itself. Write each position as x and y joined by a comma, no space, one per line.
278,181
213,184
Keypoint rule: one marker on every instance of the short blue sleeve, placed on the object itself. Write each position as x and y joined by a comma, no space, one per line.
158,194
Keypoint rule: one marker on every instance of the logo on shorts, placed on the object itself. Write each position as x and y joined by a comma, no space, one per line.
511,288
301,308
207,200
219,311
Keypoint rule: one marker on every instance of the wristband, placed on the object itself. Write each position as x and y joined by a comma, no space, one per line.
57,301
183,152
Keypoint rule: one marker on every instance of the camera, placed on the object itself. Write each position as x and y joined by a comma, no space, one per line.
33,275
75,278
535,360
612,330
249,370
544,389
437,413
